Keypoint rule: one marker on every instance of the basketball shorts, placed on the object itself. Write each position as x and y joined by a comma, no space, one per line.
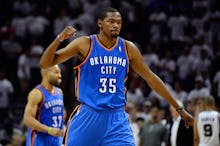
38,139
90,127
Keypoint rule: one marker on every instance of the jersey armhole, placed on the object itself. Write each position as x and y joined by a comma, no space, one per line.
90,47
43,98
87,56
40,104
126,48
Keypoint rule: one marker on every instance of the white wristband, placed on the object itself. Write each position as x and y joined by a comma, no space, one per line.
59,38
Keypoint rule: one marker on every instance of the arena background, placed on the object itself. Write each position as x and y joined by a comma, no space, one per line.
179,40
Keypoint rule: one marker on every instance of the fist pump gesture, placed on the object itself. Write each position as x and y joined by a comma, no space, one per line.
68,32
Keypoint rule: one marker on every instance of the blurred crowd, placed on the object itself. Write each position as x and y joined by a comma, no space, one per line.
179,41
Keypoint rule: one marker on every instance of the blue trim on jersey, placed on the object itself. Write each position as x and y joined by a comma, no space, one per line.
102,76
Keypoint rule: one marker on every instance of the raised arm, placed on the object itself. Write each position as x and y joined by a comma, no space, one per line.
138,65
52,56
29,119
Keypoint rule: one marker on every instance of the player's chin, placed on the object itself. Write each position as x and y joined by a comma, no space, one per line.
114,35
59,81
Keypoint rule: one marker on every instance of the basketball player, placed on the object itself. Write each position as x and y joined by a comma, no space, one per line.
101,119
206,125
44,110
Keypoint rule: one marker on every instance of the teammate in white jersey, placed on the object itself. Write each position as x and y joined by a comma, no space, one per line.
206,125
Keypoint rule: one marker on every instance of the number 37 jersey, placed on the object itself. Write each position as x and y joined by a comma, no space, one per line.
50,111
102,75
208,128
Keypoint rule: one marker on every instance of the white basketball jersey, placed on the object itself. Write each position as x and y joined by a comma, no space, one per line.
208,128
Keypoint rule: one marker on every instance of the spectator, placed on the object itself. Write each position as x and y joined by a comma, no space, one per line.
179,93
184,70
150,57
199,90
36,24
23,71
60,22
6,95
131,109
177,22
216,82
152,132
168,67
179,134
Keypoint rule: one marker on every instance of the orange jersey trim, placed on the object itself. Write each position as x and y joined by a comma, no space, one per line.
126,53
107,49
79,70
87,57
39,111
75,111
32,137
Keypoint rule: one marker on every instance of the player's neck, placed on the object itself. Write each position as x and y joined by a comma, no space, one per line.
47,86
209,108
154,120
108,42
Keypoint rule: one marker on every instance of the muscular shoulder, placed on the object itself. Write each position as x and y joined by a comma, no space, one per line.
129,43
35,96
132,49
82,44
82,40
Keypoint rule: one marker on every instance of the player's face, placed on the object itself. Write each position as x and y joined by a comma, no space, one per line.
154,113
111,25
55,77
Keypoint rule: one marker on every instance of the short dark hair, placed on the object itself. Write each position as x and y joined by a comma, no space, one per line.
103,12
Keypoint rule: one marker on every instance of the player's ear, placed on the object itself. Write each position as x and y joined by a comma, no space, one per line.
99,22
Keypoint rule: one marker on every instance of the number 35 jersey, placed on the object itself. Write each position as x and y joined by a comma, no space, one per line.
208,128
102,75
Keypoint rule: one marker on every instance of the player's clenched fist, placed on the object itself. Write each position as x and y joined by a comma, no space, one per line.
68,32
56,132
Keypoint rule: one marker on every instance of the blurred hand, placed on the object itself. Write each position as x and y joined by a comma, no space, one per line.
68,32
186,117
56,132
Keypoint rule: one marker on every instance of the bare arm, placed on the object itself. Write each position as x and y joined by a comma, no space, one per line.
34,98
195,133
52,56
138,65
29,119
152,79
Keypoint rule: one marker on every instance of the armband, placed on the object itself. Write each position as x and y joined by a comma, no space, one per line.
49,130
